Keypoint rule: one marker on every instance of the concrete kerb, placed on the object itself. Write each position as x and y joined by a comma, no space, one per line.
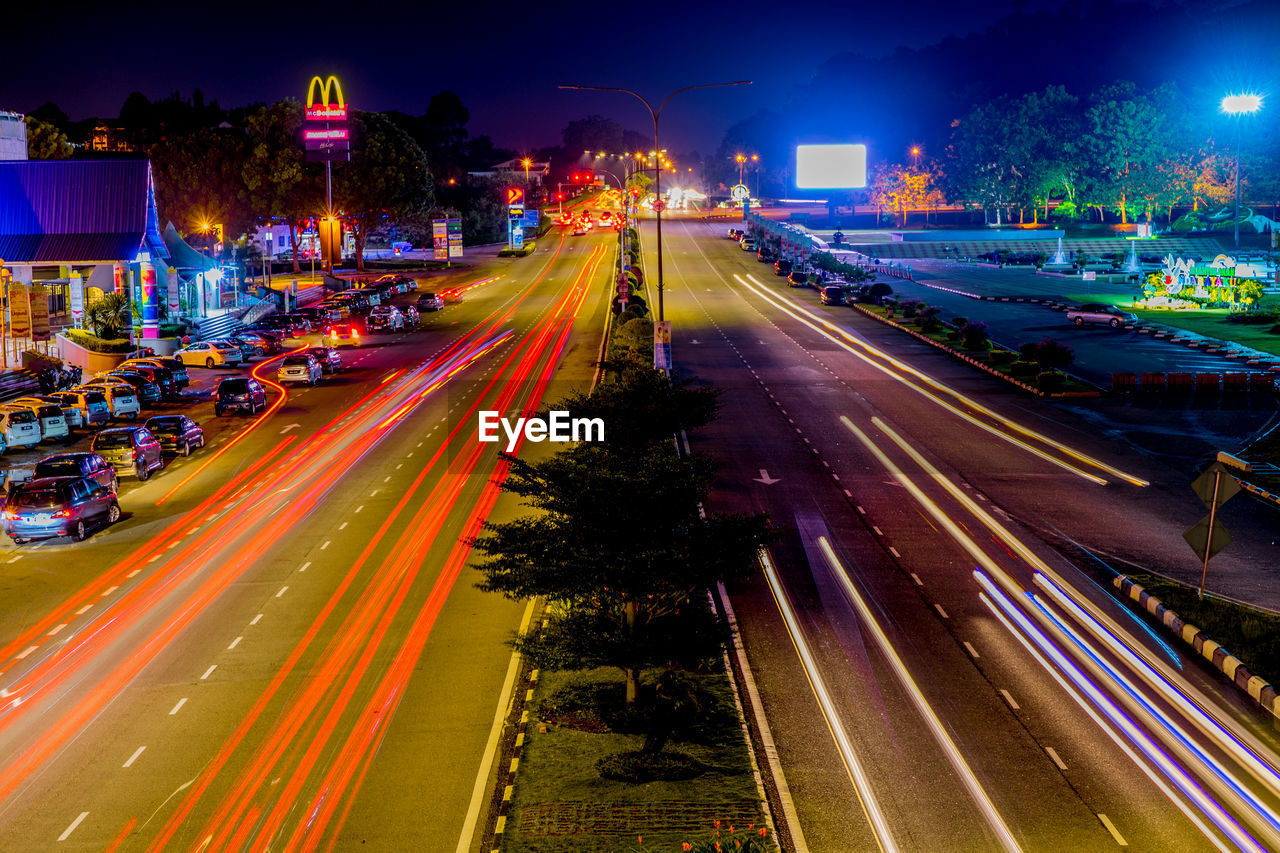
1257,688
517,750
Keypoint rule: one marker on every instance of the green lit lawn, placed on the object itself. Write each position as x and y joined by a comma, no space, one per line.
1210,323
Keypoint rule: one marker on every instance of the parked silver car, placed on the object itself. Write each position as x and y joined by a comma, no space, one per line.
1100,313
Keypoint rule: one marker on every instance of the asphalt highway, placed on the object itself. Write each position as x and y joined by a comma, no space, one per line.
281,644
921,506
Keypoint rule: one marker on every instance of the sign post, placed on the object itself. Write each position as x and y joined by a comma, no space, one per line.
1215,487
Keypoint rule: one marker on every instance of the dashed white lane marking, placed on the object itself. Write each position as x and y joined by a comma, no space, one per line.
386,479
401,465
941,612
153,558
134,757
970,649
255,619
1053,753
325,545
15,559
28,650
877,530
1009,698
133,573
66,833
861,511
848,494
178,707
84,609
56,629
108,592
915,577
171,545
281,592
894,552
1111,828
419,443
304,566
374,492
410,453
360,507
208,672
343,525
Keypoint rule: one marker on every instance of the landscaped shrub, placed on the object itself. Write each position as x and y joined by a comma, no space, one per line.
975,336
1023,368
1002,356
95,344
1054,354
880,290
1051,381
910,308
959,322
640,767
1028,351
952,335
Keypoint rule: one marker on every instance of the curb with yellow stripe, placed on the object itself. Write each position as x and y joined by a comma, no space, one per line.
1229,665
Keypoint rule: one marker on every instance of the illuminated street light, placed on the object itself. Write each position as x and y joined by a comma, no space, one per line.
657,173
915,158
1240,105
526,162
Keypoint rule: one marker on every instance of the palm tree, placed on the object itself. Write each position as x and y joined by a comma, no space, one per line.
108,316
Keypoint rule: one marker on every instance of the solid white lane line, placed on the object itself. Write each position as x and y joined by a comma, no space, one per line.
255,619
234,643
301,568
134,757
1053,753
178,707
972,651
66,833
1009,698
208,672
1111,828
281,592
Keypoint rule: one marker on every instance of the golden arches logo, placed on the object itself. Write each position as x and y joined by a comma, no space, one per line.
325,91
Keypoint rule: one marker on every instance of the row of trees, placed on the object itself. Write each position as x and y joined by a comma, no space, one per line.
1122,152
1125,151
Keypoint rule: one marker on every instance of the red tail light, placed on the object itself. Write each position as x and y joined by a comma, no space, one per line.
62,513
10,514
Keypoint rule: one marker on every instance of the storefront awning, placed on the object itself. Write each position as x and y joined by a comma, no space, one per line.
77,211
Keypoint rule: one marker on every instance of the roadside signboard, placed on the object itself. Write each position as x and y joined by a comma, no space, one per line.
325,137
454,229
440,239
531,219
75,295
517,235
515,197
659,205
1089,275
662,345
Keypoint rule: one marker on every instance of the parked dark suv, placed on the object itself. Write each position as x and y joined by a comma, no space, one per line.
833,294
239,394
58,506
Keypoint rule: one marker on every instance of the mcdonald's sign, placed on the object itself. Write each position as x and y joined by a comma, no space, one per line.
331,107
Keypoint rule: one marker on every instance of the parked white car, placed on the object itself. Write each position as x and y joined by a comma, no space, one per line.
19,426
300,368
208,354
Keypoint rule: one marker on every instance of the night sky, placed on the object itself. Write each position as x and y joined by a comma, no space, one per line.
504,61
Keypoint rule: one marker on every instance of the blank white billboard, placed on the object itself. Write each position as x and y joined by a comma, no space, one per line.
826,167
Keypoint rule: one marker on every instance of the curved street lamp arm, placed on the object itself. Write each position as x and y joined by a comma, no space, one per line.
688,88
634,94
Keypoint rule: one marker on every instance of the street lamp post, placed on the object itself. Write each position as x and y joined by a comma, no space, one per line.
657,172
915,158
1239,105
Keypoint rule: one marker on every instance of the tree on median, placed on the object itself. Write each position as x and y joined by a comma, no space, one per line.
618,546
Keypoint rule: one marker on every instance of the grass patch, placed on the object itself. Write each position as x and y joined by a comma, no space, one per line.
561,803
522,252
1250,634
1213,323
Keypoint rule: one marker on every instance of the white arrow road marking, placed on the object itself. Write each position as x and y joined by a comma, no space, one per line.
289,427
765,478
